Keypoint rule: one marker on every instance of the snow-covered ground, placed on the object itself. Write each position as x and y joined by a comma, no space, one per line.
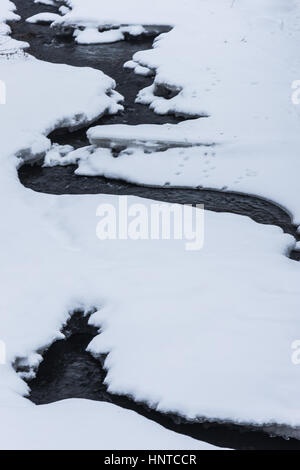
86,424
205,333
7,13
95,13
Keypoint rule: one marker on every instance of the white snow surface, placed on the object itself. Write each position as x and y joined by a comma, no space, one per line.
46,2
7,11
51,3
7,44
101,13
86,425
202,334
91,35
43,18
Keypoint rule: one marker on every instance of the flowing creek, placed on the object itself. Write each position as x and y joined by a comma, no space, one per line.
68,371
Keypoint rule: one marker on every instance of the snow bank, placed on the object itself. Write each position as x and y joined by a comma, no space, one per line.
7,44
225,357
46,2
7,11
144,135
176,326
83,425
66,108
91,35
96,13
43,18
90,17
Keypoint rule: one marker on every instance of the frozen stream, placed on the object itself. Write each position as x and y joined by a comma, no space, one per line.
68,370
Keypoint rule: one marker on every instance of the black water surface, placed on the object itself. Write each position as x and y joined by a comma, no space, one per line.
68,371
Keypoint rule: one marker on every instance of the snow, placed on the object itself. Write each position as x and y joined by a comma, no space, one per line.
100,99
145,134
63,9
39,263
138,69
202,334
43,18
86,425
93,13
199,166
241,352
7,11
46,2
143,328
93,36
7,44
89,17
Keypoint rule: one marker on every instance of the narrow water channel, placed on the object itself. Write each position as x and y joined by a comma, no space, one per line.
68,371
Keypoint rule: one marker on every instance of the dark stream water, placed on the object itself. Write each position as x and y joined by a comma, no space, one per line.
68,371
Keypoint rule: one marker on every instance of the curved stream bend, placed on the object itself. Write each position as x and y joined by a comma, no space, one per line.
68,370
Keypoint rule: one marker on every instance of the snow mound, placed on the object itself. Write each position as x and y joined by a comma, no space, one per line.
148,135
7,44
83,425
93,36
43,18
